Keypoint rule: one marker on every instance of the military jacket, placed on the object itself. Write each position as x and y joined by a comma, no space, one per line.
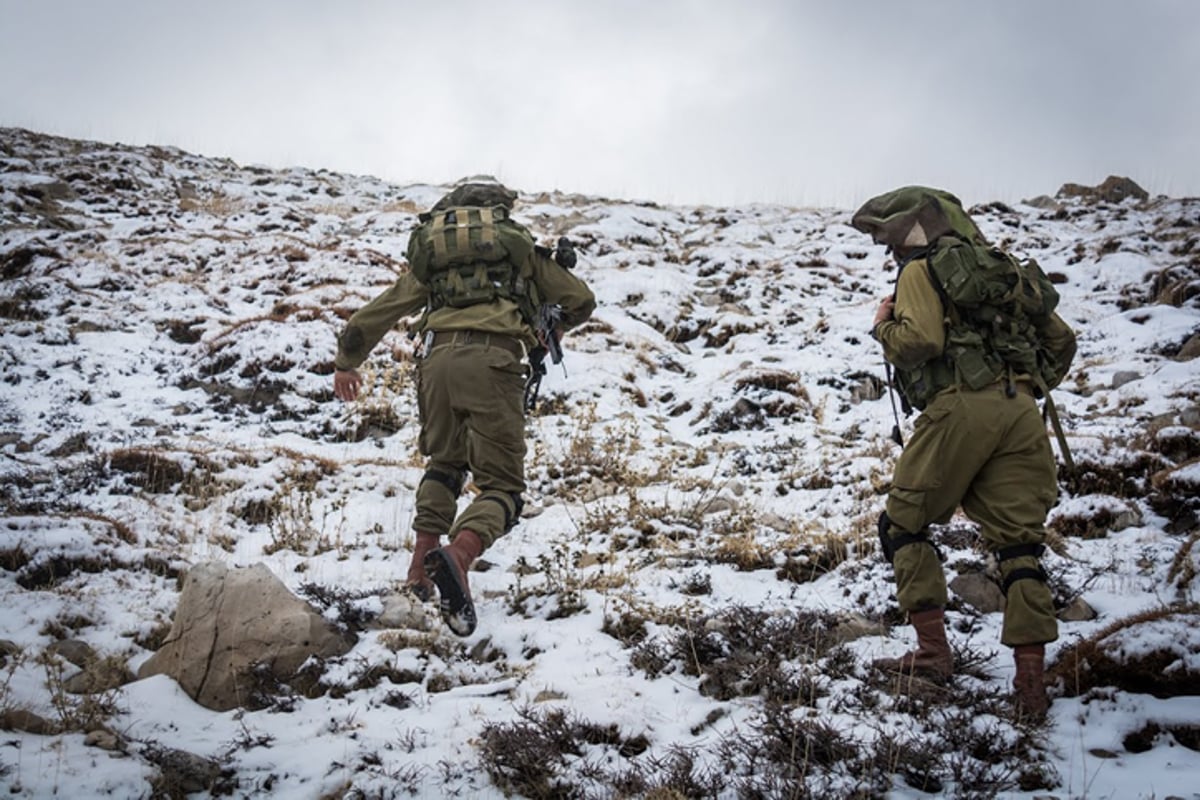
408,297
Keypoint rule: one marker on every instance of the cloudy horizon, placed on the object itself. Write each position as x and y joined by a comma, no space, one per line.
699,102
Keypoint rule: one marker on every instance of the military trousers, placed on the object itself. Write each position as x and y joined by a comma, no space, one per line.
470,393
988,453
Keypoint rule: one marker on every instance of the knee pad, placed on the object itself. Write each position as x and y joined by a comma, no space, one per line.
889,544
1022,573
452,481
510,516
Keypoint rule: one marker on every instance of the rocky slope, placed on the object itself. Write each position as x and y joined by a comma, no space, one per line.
694,596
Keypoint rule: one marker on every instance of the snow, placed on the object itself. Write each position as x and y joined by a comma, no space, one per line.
707,414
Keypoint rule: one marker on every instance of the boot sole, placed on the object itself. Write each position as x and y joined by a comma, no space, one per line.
454,596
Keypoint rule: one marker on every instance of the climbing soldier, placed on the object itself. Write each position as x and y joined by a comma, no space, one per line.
480,281
974,340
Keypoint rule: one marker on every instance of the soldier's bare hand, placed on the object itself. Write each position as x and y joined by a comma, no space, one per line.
886,308
346,383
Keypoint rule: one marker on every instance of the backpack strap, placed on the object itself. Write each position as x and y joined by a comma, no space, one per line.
1049,410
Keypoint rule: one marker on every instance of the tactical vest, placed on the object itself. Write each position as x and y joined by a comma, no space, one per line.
995,305
468,255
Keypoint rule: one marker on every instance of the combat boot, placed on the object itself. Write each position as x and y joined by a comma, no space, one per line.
1029,686
417,580
932,658
448,567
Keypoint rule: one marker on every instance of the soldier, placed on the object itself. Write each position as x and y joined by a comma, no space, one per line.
480,280
980,443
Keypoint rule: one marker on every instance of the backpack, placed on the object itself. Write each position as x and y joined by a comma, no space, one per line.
467,255
996,307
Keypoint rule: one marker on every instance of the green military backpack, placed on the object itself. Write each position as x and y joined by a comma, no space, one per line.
468,255
997,305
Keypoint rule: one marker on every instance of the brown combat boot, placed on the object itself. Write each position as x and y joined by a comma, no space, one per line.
932,658
417,581
448,567
1029,686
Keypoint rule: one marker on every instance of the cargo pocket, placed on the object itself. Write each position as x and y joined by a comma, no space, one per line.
422,418
920,468
508,373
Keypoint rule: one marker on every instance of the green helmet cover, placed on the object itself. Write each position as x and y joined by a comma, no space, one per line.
913,217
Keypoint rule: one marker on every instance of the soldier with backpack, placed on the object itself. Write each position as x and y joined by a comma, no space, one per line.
975,341
480,281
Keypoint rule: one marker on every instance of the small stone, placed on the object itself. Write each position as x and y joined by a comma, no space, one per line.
77,651
1077,610
719,504
1124,377
105,740
403,610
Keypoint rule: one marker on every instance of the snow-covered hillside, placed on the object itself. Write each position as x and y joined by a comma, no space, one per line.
689,608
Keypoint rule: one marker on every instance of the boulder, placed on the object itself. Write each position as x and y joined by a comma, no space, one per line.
979,591
231,624
1042,201
1190,349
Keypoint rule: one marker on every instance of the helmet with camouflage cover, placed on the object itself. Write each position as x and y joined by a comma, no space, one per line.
477,193
914,217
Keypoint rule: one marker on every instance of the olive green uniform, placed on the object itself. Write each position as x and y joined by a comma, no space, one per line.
986,451
471,383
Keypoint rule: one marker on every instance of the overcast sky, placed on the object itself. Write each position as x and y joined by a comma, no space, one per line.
805,103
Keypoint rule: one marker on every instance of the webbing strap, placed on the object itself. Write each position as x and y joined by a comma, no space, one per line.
438,235
460,220
451,482
1020,550
1023,574
462,232
487,236
508,515
905,539
1052,412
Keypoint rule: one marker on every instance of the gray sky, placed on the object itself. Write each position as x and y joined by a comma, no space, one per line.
807,103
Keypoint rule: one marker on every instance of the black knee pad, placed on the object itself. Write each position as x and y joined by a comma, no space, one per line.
510,516
889,544
451,481
1022,573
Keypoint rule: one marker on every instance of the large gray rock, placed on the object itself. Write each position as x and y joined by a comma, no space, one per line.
1114,189
979,591
233,621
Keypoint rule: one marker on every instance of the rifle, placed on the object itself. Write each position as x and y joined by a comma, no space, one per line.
546,329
